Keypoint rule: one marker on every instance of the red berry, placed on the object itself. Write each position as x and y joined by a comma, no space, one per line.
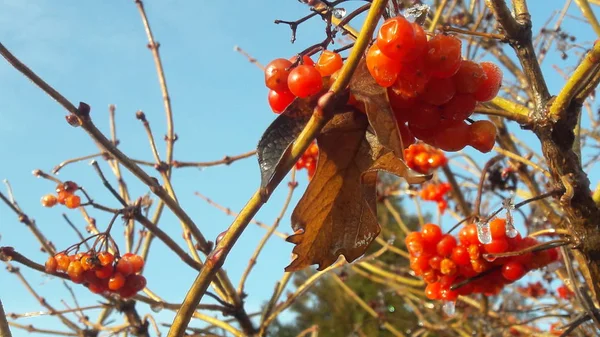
460,255
448,295
279,100
454,138
420,43
124,267
468,235
431,233
106,258
419,264
305,60
414,243
304,81
513,271
459,108
396,38
432,291
276,74
490,87
424,116
482,135
469,78
411,79
383,69
136,282
443,55
104,272
439,91
328,63
446,245
435,262
499,245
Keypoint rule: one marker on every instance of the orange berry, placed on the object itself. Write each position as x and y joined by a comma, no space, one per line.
482,135
104,272
106,258
443,55
328,63
396,38
75,271
72,201
51,265
62,261
439,91
383,69
454,138
304,81
116,282
124,267
49,200
469,78
491,86
276,74
62,197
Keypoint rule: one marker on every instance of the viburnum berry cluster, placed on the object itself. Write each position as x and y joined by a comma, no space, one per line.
436,192
308,160
288,79
424,158
468,264
431,89
65,195
101,272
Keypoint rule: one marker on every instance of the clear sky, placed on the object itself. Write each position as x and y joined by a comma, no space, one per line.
95,51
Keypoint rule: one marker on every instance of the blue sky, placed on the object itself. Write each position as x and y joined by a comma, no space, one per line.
96,52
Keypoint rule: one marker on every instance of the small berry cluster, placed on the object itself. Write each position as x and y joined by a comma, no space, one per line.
564,292
436,192
288,79
444,261
309,160
424,158
431,89
101,272
65,195
535,290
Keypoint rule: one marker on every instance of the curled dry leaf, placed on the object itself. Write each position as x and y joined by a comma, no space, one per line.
337,213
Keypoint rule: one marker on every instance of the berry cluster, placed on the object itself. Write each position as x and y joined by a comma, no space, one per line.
564,292
424,158
309,160
444,261
431,89
436,192
65,195
101,272
535,290
288,79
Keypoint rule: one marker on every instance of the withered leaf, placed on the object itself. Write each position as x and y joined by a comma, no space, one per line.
334,216
377,107
278,137
337,214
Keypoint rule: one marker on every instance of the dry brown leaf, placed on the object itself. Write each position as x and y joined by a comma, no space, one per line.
334,217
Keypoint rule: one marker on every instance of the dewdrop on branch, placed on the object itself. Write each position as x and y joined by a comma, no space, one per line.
339,13
509,205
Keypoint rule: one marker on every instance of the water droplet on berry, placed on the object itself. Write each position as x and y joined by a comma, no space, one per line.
339,12
449,308
489,257
483,232
511,231
157,307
